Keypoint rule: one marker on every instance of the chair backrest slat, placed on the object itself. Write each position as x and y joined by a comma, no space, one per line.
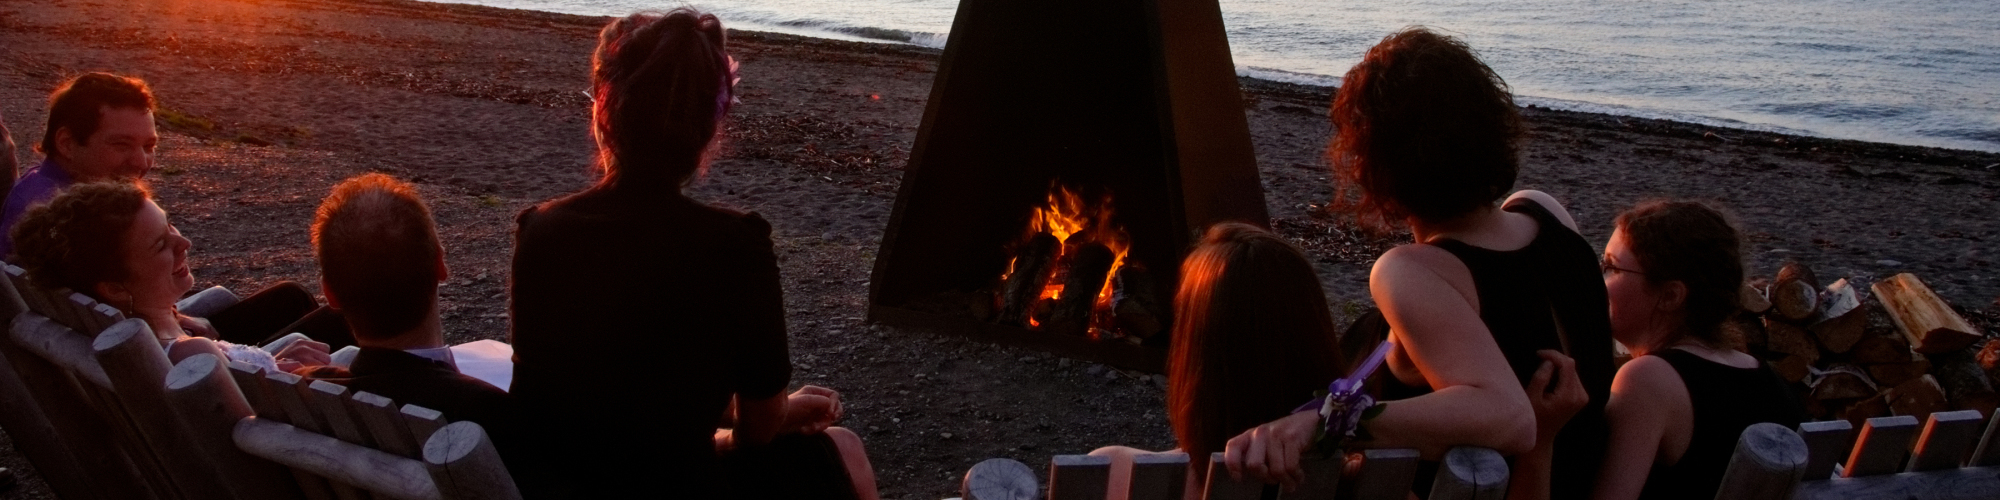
131,357
379,416
287,390
1882,446
36,299
1159,475
341,462
1471,474
422,422
1946,439
74,412
1322,478
1222,487
328,400
1988,454
203,393
1827,443
1078,477
1386,474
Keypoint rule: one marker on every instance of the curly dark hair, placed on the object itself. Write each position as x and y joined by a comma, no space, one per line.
1423,129
1697,245
77,240
662,83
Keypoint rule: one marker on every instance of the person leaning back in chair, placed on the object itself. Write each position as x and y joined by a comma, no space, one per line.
100,128
380,264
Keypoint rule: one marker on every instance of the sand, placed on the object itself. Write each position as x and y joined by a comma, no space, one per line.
267,103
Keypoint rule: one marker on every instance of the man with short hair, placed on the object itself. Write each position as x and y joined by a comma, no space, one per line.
380,265
100,128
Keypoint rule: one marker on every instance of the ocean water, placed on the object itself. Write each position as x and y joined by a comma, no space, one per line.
1919,72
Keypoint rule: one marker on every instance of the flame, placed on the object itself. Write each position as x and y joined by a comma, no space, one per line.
1067,213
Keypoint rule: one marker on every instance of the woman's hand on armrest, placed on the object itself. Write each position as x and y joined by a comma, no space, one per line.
1270,452
811,409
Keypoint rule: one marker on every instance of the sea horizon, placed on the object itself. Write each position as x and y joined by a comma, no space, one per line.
1897,72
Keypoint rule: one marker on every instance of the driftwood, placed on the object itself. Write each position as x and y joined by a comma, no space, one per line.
1964,383
1089,266
1031,273
1919,397
1844,318
1795,294
1931,325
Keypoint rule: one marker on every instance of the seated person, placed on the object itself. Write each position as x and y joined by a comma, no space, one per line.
1251,339
380,264
100,128
108,240
1674,270
1428,138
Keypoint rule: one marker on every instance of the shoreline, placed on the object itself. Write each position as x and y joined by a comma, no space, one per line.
267,103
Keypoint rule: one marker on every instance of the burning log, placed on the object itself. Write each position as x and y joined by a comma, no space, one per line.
1031,273
1931,326
1965,383
1088,268
1755,299
1843,382
1845,317
1795,295
1918,397
1135,302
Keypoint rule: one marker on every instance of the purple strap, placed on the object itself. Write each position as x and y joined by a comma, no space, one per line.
1340,411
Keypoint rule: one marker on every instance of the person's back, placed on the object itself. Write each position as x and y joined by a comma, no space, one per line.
1725,400
635,320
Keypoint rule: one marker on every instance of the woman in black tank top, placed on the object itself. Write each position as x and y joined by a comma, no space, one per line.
1428,137
1674,273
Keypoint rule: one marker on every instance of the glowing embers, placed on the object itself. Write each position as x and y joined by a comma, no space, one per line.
1069,275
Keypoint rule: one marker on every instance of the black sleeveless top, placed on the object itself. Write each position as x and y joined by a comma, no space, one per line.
1726,400
1547,295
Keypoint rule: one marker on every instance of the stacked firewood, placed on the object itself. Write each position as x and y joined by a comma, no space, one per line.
1893,348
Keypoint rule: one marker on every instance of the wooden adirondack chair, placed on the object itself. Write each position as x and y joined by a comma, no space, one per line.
1466,473
1890,458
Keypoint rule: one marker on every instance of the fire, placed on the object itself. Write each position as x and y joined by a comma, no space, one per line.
1075,221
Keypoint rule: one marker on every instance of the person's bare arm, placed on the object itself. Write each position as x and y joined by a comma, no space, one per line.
809,410
1642,403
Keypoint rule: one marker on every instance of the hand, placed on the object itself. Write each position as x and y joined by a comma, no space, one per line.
301,354
1555,405
196,327
1270,452
811,409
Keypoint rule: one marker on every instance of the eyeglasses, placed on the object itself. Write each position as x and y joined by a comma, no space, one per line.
1606,266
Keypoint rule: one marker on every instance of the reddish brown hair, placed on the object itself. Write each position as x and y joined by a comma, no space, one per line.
378,251
78,105
1422,129
661,83
1695,244
1252,337
77,240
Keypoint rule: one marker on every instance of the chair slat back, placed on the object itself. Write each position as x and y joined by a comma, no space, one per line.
203,393
1471,474
422,422
341,462
1988,453
1882,446
72,355
1078,477
36,299
1222,487
51,420
289,392
92,317
1946,439
1827,443
1159,475
385,424
1386,474
1322,478
132,359
328,399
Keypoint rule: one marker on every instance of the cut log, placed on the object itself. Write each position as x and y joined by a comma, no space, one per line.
1931,326
1750,329
1089,267
1789,339
1843,318
1964,382
1032,263
1795,294
1793,368
1859,412
1843,382
1918,397
1891,374
1135,301
1755,300
1878,349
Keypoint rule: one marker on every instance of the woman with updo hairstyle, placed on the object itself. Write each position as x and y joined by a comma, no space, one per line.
111,242
1485,301
633,266
1252,333
1674,270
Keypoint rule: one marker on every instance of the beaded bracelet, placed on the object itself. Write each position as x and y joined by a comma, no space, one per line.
1343,405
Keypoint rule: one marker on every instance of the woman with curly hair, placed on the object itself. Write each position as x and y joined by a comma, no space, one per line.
110,241
1491,291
